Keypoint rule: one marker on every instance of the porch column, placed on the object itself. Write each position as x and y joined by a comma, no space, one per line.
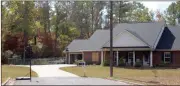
134,58
151,58
75,56
117,58
102,60
69,58
83,56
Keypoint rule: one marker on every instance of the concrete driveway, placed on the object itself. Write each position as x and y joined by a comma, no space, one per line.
52,75
52,70
68,81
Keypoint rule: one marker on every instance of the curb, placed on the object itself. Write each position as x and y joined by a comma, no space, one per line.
7,80
131,83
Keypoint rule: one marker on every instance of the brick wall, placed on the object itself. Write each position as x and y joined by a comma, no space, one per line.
175,58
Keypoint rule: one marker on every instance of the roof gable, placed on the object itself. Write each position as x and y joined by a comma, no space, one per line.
126,39
148,32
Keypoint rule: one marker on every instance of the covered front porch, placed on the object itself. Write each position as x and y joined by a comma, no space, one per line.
132,57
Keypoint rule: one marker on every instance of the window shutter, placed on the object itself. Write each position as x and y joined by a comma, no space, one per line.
162,57
171,57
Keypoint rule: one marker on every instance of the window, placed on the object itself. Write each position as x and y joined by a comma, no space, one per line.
95,57
167,57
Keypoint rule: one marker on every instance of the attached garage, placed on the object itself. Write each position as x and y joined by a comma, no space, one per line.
74,57
92,57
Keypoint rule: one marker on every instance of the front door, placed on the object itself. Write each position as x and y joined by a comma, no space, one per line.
146,60
130,58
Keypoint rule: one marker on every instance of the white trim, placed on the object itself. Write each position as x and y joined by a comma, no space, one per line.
82,56
75,52
158,38
128,49
146,63
130,57
167,57
102,57
166,50
134,57
69,58
89,50
117,58
151,59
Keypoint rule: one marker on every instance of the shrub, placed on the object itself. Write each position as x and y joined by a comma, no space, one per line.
106,63
121,62
16,56
39,62
77,62
162,64
4,60
8,54
138,64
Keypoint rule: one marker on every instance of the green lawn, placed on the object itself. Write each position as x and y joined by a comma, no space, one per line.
15,71
144,76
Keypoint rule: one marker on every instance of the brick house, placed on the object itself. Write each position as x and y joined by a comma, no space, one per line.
150,44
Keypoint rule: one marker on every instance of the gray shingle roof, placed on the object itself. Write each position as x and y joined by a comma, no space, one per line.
94,43
77,45
147,32
99,38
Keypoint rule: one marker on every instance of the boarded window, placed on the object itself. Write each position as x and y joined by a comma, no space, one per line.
95,56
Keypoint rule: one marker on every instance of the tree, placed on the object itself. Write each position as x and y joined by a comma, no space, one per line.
57,23
159,16
172,13
17,17
120,10
139,13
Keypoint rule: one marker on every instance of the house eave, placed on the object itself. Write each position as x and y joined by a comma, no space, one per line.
167,50
128,49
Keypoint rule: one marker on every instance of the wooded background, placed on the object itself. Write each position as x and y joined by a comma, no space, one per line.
56,23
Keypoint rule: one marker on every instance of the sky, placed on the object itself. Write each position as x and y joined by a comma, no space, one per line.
157,5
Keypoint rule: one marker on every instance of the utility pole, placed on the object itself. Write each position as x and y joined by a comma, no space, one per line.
92,11
174,18
25,20
111,38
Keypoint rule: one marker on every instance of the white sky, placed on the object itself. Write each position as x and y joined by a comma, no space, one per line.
157,5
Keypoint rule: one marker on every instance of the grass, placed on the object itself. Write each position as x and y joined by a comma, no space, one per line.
143,76
15,71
